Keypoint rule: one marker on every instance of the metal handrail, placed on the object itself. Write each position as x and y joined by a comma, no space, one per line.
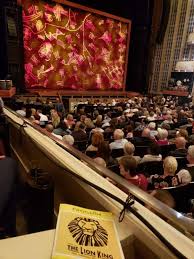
185,224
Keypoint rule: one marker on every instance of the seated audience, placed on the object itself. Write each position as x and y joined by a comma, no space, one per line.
97,139
168,179
98,125
144,139
151,116
100,161
105,153
68,139
43,117
119,141
153,131
50,128
182,133
79,133
180,150
162,137
129,150
129,130
69,121
128,167
22,112
55,118
187,175
153,154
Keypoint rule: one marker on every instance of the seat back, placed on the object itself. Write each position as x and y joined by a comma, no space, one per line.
182,162
182,195
114,168
81,145
91,154
141,150
165,149
117,152
150,168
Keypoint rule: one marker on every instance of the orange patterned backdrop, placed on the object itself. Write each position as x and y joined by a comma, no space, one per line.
69,48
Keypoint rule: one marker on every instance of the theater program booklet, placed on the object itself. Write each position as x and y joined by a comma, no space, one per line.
83,233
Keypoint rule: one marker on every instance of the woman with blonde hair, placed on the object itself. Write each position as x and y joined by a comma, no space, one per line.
168,179
55,118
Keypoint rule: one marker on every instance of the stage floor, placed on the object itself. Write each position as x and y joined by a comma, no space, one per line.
83,94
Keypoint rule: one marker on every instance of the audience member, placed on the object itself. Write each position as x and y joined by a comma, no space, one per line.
187,175
79,133
50,128
68,139
162,137
128,167
119,141
168,179
153,154
180,150
97,139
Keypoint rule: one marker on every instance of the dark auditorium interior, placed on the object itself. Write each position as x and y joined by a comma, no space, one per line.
96,115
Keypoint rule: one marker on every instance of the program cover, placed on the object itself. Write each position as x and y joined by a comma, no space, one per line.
83,233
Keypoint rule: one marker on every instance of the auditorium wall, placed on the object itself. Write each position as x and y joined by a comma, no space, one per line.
173,48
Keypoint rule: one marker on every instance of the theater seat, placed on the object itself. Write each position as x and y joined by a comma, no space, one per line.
117,152
182,195
80,145
165,149
141,150
91,154
182,162
150,168
114,168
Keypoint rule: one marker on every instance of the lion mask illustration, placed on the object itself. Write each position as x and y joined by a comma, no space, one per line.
88,232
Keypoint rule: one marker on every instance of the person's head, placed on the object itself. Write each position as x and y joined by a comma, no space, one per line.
118,134
162,134
190,154
145,133
54,113
170,165
154,149
152,125
129,149
128,166
99,118
70,117
68,139
97,138
100,161
180,142
165,197
33,111
183,133
151,114
49,128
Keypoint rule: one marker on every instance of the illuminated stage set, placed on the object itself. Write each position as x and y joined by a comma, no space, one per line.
70,48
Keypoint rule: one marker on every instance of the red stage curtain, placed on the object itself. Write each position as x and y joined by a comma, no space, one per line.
68,48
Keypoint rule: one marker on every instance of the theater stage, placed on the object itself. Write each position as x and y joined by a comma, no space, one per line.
83,94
